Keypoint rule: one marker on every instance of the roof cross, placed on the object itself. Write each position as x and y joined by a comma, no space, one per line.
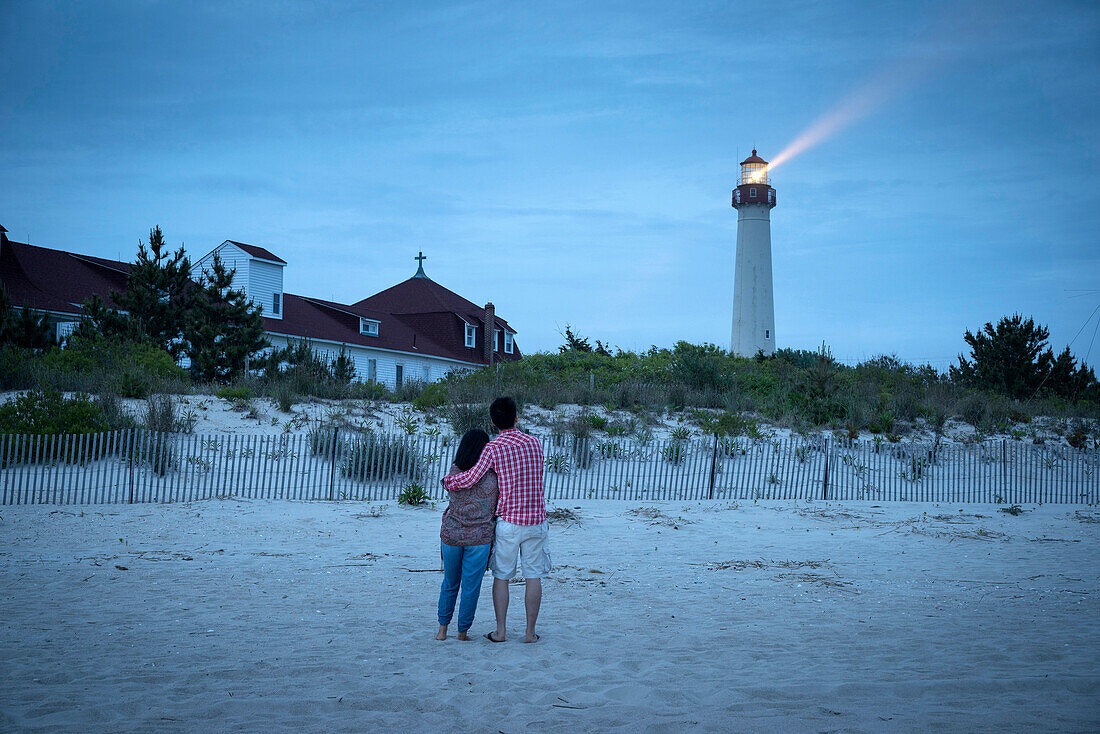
420,258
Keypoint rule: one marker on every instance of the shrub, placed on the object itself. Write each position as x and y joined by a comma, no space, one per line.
50,412
413,494
598,422
433,396
973,410
675,452
114,413
1078,437
464,417
284,396
882,422
408,391
134,385
558,462
372,456
161,414
579,426
236,392
369,391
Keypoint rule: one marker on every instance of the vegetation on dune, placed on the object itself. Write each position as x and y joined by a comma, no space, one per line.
131,349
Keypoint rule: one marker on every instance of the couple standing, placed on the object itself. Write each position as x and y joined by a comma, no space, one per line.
496,516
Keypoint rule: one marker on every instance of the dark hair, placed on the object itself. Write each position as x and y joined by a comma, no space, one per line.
470,447
503,413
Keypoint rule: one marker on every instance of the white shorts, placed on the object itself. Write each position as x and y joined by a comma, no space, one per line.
514,542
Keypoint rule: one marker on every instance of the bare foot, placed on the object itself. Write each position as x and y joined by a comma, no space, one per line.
442,633
463,636
531,637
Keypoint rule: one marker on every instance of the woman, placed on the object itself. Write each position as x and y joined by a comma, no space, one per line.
466,535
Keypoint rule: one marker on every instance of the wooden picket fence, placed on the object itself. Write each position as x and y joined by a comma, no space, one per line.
143,466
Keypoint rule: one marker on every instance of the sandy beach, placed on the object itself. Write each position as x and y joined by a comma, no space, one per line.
229,615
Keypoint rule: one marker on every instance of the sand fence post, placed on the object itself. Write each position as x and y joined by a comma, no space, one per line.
713,467
825,479
130,463
332,468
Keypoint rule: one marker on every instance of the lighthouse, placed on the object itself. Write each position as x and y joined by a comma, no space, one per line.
753,311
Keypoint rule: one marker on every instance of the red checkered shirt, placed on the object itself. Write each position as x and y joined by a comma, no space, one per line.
517,459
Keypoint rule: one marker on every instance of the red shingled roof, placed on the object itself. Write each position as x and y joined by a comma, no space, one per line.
424,295
418,316
256,251
54,280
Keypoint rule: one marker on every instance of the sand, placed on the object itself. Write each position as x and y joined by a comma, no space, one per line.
229,615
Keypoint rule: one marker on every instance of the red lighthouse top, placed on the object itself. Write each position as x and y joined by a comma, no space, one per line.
754,158
753,187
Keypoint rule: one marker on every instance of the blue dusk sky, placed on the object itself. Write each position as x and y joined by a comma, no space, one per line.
572,161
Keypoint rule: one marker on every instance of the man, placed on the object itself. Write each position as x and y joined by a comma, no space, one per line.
521,528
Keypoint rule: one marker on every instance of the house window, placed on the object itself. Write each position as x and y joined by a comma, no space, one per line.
368,327
508,348
276,303
767,333
496,340
372,370
471,336
399,378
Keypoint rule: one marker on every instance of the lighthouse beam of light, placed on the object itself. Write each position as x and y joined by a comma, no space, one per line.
924,58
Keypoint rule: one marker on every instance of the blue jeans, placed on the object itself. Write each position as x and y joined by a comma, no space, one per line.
462,566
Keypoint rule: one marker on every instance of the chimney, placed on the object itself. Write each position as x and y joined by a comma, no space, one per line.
488,338
4,234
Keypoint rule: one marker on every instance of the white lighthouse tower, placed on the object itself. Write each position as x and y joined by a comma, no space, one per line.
753,311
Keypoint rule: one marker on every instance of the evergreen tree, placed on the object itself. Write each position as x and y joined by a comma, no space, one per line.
1069,380
155,303
25,328
158,293
573,342
223,329
1013,358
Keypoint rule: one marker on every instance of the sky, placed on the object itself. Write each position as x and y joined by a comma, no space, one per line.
572,161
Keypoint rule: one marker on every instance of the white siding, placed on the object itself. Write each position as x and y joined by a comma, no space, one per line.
414,364
259,280
265,280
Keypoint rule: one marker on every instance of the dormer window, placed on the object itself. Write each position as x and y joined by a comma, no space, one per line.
508,346
471,336
368,327
276,303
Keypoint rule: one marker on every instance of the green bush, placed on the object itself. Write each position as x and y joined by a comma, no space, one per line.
284,396
465,417
50,412
413,494
236,392
134,385
370,456
433,396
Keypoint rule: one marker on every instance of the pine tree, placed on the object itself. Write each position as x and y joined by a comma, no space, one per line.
223,329
1067,379
155,303
1013,358
158,293
25,328
574,342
